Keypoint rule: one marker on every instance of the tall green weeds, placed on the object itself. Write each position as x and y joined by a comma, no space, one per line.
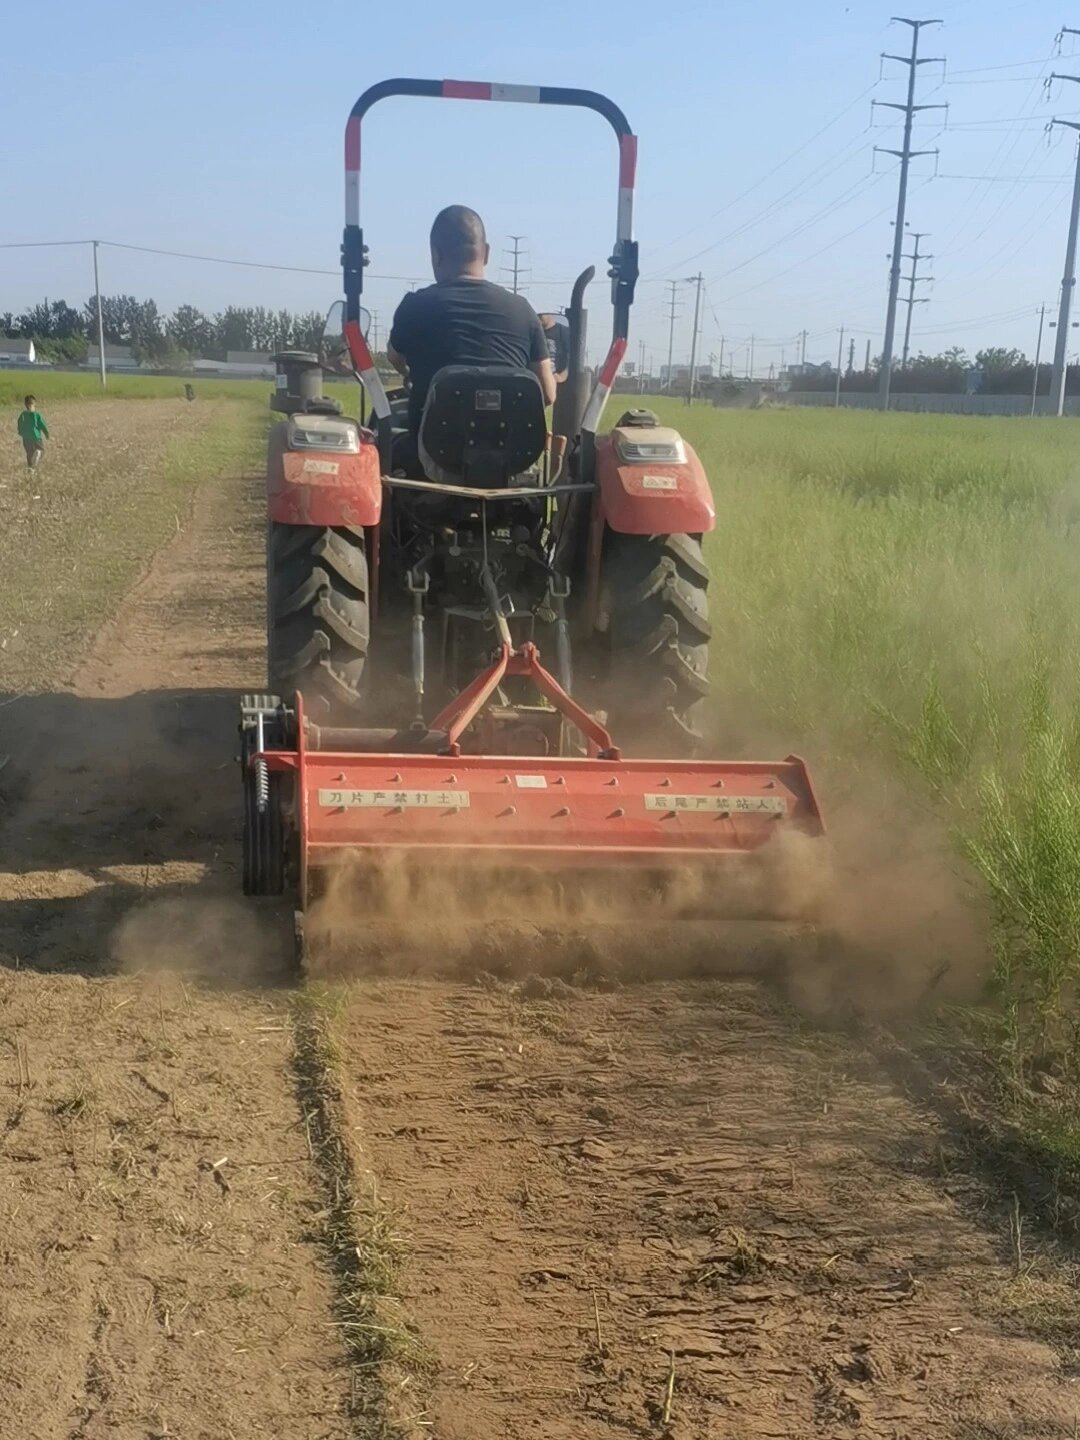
900,596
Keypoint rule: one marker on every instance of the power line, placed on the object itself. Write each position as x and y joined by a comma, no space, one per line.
1014,65
864,183
809,182
730,205
838,240
187,255
905,155
1011,179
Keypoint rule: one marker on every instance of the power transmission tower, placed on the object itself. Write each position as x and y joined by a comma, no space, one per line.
1038,361
910,300
699,281
1060,372
672,312
909,110
514,266
100,324
840,365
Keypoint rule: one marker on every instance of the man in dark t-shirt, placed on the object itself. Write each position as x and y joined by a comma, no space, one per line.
463,319
557,334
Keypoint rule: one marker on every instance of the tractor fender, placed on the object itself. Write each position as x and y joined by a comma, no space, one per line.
653,497
325,488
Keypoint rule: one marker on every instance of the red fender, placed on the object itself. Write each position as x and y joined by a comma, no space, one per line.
653,497
316,487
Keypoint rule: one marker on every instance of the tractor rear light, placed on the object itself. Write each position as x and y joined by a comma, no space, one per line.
324,432
651,452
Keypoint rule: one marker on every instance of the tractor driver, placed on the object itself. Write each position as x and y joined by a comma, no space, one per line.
463,319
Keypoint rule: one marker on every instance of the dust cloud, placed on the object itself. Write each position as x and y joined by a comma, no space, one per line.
402,915
223,940
876,919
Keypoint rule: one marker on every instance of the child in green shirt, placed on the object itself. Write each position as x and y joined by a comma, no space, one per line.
33,432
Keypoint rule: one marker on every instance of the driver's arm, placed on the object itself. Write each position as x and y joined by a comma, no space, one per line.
540,361
397,344
400,364
544,373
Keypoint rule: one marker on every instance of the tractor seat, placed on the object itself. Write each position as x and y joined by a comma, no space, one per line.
482,425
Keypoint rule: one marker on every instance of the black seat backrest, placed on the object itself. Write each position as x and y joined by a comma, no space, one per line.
482,425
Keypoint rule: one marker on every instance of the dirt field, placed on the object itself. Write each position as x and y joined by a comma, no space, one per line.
665,1208
147,1292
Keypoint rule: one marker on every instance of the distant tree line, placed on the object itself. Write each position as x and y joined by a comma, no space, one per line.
62,333
998,371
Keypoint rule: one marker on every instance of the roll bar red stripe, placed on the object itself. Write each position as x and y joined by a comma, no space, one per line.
627,161
352,143
466,90
611,365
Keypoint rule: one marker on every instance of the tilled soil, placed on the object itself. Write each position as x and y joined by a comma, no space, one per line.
656,1209
160,1263
609,1194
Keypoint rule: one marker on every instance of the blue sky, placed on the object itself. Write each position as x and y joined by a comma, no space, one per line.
216,128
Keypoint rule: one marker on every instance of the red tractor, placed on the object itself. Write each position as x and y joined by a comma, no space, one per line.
407,616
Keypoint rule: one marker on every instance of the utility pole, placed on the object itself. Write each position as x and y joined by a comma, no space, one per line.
699,281
100,322
909,110
839,366
515,263
1038,359
750,360
913,279
866,367
802,348
720,366
641,367
1060,372
672,312
851,356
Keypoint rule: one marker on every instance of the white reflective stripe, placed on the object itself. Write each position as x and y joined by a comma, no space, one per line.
352,197
527,94
595,408
376,392
394,799
625,227
719,804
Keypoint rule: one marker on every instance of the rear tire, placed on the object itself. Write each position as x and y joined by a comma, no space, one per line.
318,616
655,611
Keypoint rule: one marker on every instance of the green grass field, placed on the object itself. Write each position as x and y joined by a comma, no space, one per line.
85,385
898,597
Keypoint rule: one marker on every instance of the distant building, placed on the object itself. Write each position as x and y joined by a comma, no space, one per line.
801,372
117,357
17,352
238,365
681,373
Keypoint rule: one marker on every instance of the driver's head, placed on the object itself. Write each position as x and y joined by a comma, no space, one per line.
458,243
